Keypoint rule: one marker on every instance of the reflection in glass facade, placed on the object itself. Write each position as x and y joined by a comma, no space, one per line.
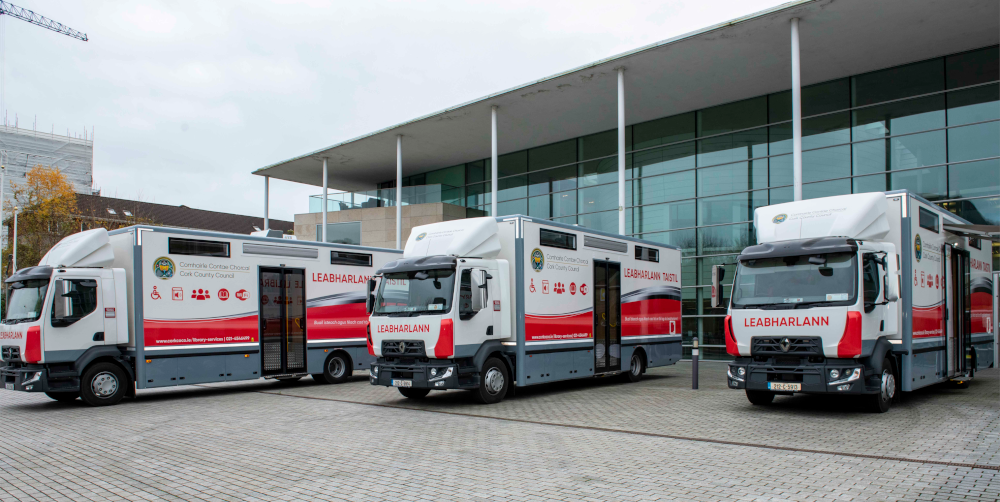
693,180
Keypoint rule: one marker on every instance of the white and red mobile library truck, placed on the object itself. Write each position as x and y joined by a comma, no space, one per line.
865,294
487,304
105,312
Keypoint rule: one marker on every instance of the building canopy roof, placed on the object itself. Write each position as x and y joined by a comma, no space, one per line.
738,59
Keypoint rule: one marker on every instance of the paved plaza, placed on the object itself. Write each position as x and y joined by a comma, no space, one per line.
588,440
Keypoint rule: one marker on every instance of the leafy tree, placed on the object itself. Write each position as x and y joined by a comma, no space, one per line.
46,212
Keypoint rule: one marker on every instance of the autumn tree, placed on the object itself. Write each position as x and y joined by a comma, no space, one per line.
46,207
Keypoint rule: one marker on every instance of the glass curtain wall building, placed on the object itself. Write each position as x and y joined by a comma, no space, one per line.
693,180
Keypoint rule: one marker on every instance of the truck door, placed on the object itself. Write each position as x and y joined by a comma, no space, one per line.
959,312
873,318
474,326
77,312
282,320
607,316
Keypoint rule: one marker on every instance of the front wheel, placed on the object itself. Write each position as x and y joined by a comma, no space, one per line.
493,383
103,384
881,402
413,393
760,397
63,397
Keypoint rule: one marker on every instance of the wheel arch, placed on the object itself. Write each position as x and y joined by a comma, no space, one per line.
111,354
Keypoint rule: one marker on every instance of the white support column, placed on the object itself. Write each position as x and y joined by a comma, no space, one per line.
399,191
796,115
325,203
267,182
493,165
621,150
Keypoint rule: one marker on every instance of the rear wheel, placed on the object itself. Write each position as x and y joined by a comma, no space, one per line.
880,403
413,393
63,397
337,369
760,397
635,368
493,383
103,384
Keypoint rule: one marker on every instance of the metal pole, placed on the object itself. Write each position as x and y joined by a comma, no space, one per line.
325,203
493,174
14,259
267,182
796,115
399,191
621,150
694,365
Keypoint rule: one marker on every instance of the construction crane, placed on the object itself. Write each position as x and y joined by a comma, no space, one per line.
7,8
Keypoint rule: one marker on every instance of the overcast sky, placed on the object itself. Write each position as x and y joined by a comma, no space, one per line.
187,98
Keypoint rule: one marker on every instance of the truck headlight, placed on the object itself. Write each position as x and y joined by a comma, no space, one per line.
847,376
375,370
434,372
32,377
736,373
441,375
834,374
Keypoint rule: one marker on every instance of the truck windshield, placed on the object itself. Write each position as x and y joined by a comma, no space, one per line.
25,301
796,281
415,293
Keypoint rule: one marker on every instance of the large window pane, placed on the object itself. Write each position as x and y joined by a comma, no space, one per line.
569,220
864,184
552,180
974,142
903,117
664,188
512,207
538,207
512,163
732,177
974,105
869,157
598,172
973,67
817,98
817,132
974,179
689,301
705,270
984,211
899,82
478,194
556,154
605,222
684,239
733,116
733,147
780,195
725,239
514,187
826,163
599,198
663,131
664,160
599,145
931,183
564,203
454,176
730,208
663,217
826,189
780,171
476,172
917,150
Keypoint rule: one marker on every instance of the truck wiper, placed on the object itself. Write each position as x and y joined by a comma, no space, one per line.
778,306
809,304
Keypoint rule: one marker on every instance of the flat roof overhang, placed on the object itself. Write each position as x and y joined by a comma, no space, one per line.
739,59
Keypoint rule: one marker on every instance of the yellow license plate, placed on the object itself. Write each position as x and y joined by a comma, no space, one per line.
784,387
402,383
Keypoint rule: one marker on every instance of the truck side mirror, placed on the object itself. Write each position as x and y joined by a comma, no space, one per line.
478,279
718,273
891,287
370,297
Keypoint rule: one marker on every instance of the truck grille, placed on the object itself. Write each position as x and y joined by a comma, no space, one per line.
399,348
10,353
792,346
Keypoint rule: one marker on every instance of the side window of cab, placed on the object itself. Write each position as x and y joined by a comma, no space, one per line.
870,282
72,300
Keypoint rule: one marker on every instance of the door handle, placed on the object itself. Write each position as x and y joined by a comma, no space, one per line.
99,336
489,331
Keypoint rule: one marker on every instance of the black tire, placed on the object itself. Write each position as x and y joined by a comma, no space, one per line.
413,393
493,382
336,369
103,384
63,397
636,368
888,387
760,397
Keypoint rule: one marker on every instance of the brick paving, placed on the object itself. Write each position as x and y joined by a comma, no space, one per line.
267,441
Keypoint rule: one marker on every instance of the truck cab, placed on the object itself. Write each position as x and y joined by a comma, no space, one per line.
438,316
62,329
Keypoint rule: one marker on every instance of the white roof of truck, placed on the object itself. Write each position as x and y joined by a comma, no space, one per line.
858,216
90,248
468,238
